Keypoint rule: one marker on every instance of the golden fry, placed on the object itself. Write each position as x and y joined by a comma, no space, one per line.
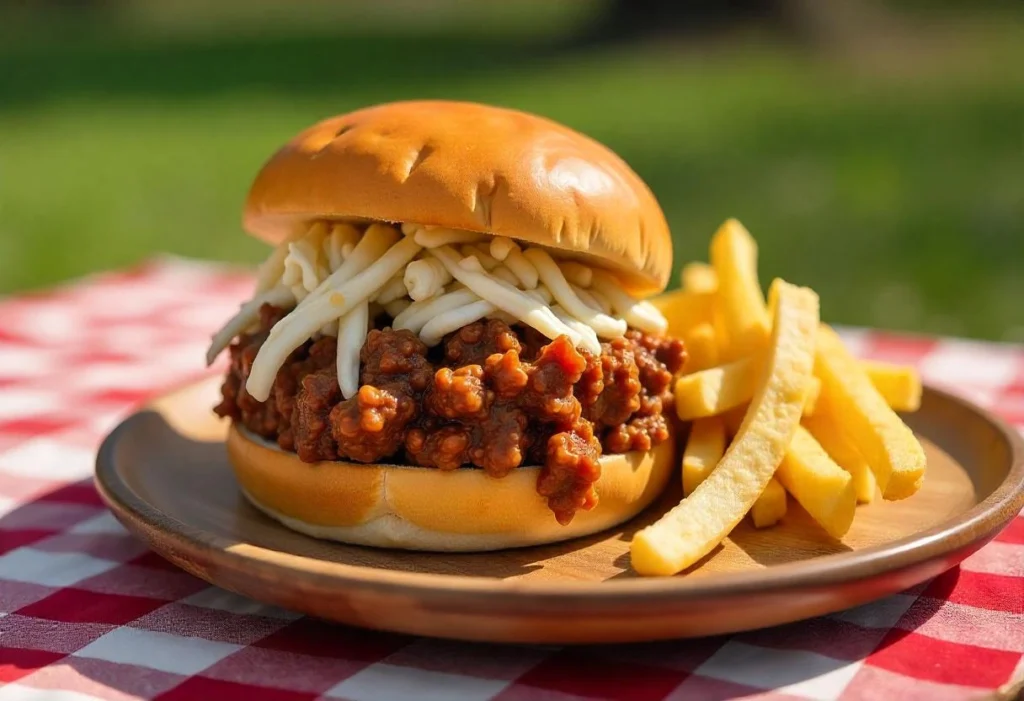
684,310
824,489
770,507
715,390
829,434
890,447
813,392
701,348
900,385
693,528
699,277
745,317
704,340
704,449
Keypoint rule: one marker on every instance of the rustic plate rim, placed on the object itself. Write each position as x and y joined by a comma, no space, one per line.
974,526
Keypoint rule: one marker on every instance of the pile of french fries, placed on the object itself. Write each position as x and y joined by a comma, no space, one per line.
777,408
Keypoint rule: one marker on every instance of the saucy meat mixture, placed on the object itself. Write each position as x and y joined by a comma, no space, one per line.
489,395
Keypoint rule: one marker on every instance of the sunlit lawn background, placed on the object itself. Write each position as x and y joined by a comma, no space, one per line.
886,169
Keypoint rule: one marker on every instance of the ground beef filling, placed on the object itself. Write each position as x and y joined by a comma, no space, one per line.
490,395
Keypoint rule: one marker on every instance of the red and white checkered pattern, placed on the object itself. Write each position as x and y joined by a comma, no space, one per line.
87,613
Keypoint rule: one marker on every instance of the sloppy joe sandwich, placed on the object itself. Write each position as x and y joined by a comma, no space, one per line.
448,347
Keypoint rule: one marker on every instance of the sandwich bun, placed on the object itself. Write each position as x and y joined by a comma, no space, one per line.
468,166
417,508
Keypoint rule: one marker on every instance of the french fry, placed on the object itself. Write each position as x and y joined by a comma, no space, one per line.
701,347
890,447
746,319
828,433
700,521
699,277
715,390
701,343
704,449
824,489
732,420
899,385
767,509
813,392
770,507
684,310
707,442
851,444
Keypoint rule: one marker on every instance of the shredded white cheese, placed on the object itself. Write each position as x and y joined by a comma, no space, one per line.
501,246
330,328
551,275
511,255
505,275
442,325
246,317
486,260
424,278
542,293
593,299
419,313
342,236
377,239
576,325
397,307
352,330
509,299
269,273
302,266
429,280
332,303
394,289
640,315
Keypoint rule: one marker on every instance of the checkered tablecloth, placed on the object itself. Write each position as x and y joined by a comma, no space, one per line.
87,613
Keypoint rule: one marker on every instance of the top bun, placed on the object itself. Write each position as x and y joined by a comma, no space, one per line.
467,166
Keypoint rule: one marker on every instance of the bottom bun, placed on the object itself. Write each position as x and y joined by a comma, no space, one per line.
417,508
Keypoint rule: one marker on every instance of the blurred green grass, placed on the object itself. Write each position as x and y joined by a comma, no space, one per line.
896,190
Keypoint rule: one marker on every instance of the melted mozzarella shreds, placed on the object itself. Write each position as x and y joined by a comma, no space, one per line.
352,330
454,319
604,325
246,317
330,303
425,278
507,298
431,280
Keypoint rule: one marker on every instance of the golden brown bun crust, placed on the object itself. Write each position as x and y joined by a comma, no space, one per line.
467,166
426,509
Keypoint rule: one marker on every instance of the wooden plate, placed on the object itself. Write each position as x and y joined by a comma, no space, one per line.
164,474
